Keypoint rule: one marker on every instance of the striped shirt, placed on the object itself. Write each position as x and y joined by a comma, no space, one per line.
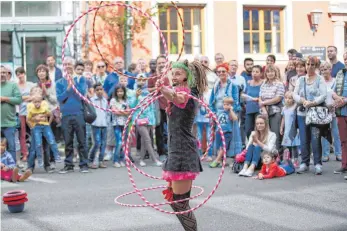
272,90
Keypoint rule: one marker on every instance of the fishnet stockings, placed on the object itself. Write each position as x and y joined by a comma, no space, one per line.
187,220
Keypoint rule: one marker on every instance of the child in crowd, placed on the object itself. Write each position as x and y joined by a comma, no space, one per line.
225,118
99,128
290,72
145,122
37,118
203,121
288,129
119,102
271,169
9,172
32,150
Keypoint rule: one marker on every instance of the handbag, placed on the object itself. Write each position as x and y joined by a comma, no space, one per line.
89,112
317,115
142,122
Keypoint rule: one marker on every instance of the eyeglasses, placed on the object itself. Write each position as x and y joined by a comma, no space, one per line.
100,66
221,72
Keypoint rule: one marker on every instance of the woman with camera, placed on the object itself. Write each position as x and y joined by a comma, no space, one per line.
310,91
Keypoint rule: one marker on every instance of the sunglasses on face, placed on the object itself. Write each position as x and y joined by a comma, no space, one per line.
221,72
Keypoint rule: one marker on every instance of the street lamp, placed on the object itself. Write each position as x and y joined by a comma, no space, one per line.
316,16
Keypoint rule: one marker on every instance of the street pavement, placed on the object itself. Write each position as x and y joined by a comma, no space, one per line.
77,201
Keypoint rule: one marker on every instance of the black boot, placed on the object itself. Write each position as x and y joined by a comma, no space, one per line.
187,220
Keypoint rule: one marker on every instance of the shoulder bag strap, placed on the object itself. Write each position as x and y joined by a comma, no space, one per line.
305,87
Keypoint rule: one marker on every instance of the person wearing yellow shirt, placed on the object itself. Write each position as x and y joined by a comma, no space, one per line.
39,118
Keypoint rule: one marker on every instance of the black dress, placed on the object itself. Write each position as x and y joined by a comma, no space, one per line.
183,155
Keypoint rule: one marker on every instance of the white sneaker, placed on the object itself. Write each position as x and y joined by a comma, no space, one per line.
302,168
52,165
242,173
158,164
142,164
20,165
122,164
107,157
116,165
248,173
318,169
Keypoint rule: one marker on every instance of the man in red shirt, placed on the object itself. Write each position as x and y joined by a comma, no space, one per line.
161,137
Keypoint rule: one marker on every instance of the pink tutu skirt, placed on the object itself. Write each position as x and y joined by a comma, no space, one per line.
175,176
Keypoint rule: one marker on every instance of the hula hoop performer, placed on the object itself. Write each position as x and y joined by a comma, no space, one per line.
183,163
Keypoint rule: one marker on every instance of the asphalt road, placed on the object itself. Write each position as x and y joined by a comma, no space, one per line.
76,201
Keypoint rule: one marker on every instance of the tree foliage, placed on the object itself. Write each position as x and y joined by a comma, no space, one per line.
110,29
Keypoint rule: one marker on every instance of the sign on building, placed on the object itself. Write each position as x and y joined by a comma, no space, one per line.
320,52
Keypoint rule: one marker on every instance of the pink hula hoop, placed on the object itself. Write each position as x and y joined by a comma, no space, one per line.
147,101
69,78
150,100
167,67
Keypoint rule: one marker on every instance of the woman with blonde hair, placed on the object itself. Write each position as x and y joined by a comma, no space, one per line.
261,139
270,100
330,82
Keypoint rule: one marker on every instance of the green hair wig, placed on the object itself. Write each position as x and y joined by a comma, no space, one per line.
190,77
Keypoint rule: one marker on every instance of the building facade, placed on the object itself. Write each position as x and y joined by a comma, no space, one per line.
32,30
249,28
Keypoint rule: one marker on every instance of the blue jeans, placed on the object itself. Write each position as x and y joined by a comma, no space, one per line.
71,125
200,128
249,123
336,140
32,153
253,155
9,134
99,135
309,136
89,136
118,153
287,167
46,131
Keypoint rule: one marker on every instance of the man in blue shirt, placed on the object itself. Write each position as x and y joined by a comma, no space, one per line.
236,79
248,63
247,73
71,107
337,65
54,72
113,78
340,98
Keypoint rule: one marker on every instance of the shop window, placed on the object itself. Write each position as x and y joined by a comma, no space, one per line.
263,30
37,49
6,47
37,8
6,9
170,25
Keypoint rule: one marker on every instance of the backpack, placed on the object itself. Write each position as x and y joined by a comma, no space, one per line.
239,161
